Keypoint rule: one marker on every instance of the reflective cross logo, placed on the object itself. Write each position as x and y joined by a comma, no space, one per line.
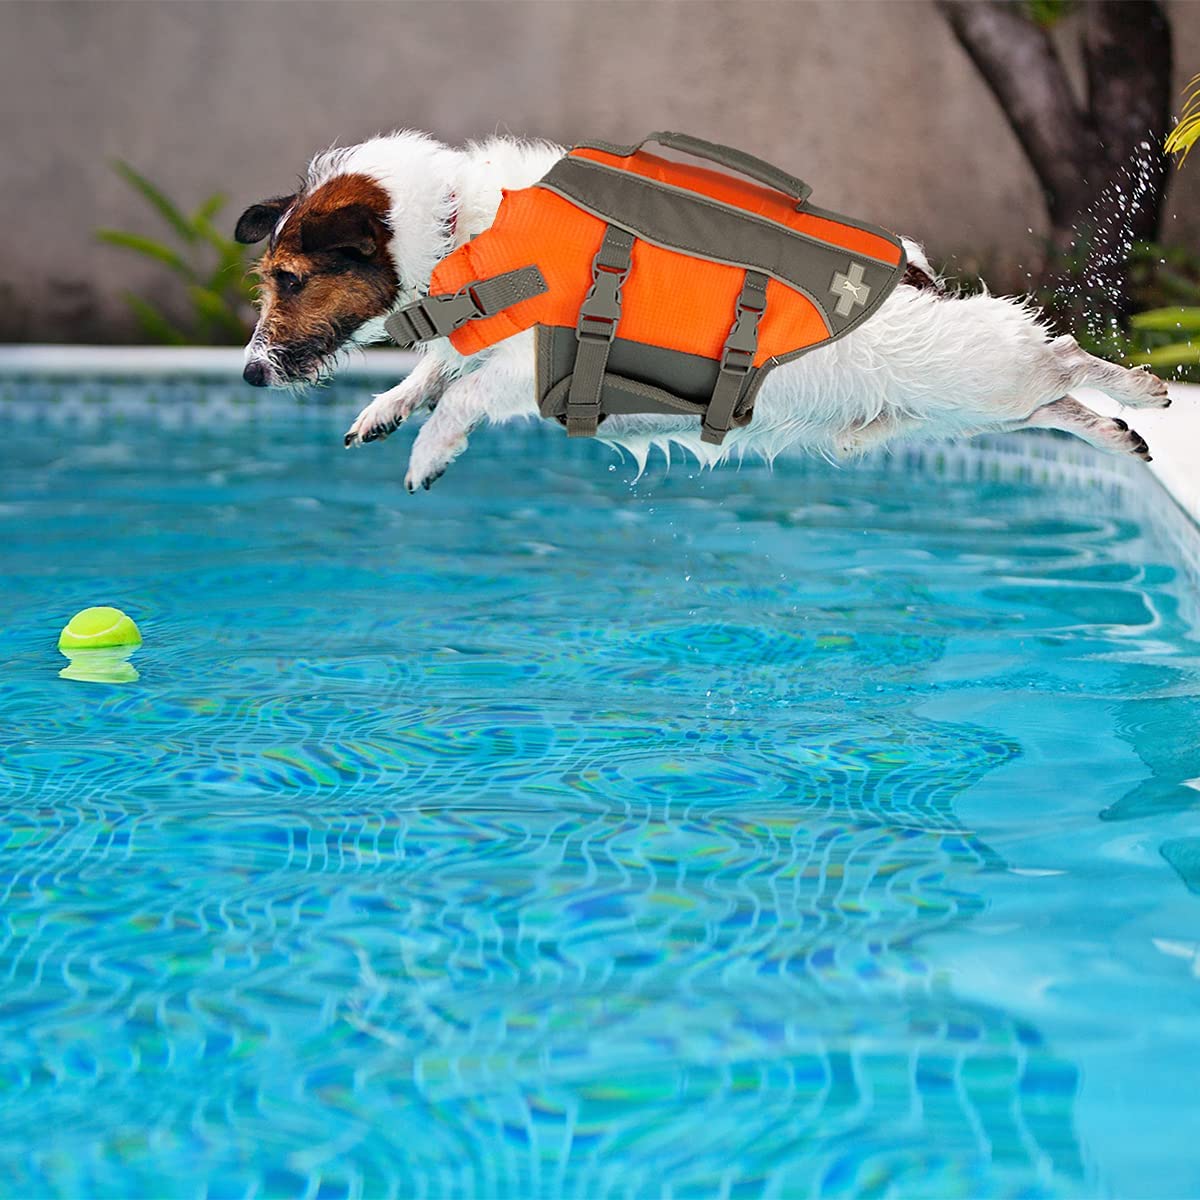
850,289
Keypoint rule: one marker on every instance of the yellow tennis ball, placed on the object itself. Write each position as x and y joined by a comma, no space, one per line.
97,629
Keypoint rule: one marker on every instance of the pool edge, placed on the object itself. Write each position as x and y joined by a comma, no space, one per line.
1174,434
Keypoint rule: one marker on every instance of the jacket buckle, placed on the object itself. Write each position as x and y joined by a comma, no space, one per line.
600,312
737,357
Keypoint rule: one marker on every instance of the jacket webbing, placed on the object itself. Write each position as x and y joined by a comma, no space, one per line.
599,316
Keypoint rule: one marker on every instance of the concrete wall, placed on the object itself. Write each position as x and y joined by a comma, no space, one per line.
871,100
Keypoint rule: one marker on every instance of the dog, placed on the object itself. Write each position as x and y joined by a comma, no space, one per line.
361,237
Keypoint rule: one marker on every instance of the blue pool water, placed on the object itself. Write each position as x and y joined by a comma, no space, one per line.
793,833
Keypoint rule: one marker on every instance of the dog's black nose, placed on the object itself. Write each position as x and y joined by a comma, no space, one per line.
255,373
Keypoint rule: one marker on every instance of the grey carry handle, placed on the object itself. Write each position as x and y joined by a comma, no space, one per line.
726,156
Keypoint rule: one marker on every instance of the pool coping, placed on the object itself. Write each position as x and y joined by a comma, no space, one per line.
136,362
1174,434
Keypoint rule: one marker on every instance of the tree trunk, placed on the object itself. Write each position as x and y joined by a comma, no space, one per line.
1100,164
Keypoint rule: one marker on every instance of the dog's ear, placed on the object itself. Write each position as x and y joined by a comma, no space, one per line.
354,227
259,219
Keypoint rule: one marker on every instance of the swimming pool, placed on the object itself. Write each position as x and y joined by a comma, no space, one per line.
794,833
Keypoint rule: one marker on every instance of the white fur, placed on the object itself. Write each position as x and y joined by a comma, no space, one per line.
926,364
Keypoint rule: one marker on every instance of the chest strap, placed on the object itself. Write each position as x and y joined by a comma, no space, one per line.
737,358
599,316
438,316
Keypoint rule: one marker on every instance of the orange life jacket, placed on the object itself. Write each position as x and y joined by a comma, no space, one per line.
657,285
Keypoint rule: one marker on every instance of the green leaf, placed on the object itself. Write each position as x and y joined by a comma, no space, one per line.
154,325
1177,285
209,209
217,310
1186,134
1183,137
164,207
229,275
148,247
1177,354
214,237
231,279
1168,320
232,286
1048,12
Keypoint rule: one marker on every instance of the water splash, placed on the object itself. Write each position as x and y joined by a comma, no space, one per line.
1105,239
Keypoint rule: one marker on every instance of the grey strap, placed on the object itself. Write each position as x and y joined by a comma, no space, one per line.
437,316
599,316
725,156
737,359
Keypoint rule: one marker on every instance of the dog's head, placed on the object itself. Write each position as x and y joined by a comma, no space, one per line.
326,274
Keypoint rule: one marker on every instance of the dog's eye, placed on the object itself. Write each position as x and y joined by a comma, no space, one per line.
287,283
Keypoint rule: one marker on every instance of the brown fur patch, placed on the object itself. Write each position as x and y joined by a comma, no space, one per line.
339,192
338,292
914,277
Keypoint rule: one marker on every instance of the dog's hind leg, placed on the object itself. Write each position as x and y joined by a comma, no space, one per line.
389,410
1105,433
1136,388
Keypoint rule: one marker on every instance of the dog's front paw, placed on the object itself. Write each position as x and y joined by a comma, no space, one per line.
429,459
384,415
412,481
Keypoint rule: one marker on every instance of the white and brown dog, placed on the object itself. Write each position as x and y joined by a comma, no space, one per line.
362,236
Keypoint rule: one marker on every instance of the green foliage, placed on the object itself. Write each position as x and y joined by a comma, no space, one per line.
211,268
1047,12
1182,324
1165,334
1187,133
1164,320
